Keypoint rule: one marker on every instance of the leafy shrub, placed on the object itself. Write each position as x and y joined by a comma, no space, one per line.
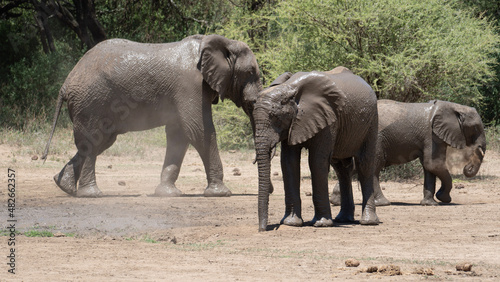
33,85
232,126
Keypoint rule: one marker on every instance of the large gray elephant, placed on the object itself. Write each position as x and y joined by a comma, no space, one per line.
408,131
120,86
334,116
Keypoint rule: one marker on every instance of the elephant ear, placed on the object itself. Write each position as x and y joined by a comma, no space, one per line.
319,100
453,124
281,79
215,63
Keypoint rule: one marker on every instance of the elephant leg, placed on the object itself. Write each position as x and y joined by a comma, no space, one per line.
344,174
290,167
435,166
81,168
443,194
177,145
429,189
87,185
335,197
366,178
380,199
319,166
213,165
67,178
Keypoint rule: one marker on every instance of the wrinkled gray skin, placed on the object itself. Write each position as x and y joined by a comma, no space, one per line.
120,86
408,131
334,116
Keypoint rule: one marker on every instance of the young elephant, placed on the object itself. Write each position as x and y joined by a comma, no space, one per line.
425,130
334,116
120,86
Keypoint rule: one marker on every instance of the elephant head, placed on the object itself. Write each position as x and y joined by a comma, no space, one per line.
461,127
294,108
230,68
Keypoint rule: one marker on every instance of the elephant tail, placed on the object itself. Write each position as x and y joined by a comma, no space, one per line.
60,100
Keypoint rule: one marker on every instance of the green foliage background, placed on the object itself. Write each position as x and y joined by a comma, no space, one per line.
408,50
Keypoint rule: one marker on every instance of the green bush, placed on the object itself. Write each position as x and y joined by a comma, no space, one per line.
32,87
407,50
233,127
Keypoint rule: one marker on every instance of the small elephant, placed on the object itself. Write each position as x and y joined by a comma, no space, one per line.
334,116
120,86
408,131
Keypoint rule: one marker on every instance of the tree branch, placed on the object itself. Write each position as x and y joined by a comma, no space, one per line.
188,18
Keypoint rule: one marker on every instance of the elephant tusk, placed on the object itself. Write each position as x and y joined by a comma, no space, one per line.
273,153
482,152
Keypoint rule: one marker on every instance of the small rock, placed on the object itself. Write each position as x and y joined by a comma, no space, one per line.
459,186
110,166
232,151
34,157
122,183
173,240
308,194
236,171
464,266
352,262
59,234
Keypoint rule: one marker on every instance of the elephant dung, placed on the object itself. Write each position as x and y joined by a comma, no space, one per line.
424,271
352,262
236,171
464,266
390,270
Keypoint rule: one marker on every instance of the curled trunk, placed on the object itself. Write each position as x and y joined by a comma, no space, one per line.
472,167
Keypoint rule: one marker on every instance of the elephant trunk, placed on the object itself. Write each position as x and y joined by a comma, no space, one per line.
263,145
472,167
264,165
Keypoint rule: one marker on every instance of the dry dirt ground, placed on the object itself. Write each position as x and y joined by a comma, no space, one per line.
129,235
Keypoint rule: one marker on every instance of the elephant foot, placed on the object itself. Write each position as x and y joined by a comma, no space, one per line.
66,182
89,191
292,220
335,196
217,190
164,190
443,196
335,199
323,222
382,201
369,218
345,217
428,202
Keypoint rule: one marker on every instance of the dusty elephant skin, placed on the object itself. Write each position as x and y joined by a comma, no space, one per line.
408,131
120,86
334,116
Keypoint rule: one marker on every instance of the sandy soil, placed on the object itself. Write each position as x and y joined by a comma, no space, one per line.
129,235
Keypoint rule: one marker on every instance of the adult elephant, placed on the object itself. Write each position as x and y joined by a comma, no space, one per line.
120,86
408,131
334,116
